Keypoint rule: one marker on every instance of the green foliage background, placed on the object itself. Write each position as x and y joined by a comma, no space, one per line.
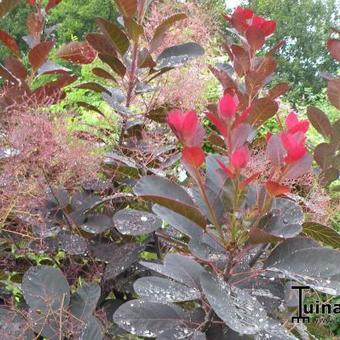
305,26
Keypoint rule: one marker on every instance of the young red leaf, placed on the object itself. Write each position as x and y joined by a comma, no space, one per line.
194,156
51,4
294,125
186,127
276,189
240,158
333,46
248,180
229,172
77,52
227,107
35,24
16,67
268,27
9,42
31,2
255,37
294,145
128,8
38,55
218,123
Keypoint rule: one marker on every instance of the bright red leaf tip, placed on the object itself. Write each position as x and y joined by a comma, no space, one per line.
268,27
229,172
276,189
294,145
243,13
218,123
194,156
186,127
227,107
294,125
240,157
268,136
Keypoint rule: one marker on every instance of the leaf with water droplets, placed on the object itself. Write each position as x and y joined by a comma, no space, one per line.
149,319
158,289
96,224
45,288
135,222
119,257
282,222
239,310
316,267
71,243
180,268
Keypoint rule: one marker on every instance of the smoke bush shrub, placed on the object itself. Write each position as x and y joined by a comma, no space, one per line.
227,221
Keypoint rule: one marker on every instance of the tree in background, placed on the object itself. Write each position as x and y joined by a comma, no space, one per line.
74,19
307,24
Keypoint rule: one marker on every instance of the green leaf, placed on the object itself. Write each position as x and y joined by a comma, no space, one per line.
112,32
168,194
320,121
163,27
322,233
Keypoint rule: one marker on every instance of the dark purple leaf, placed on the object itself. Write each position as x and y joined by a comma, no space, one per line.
166,193
136,222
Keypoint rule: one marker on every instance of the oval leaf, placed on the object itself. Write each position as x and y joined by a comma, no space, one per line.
166,193
148,319
320,121
163,28
322,233
157,289
239,310
135,222
77,52
45,288
114,34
